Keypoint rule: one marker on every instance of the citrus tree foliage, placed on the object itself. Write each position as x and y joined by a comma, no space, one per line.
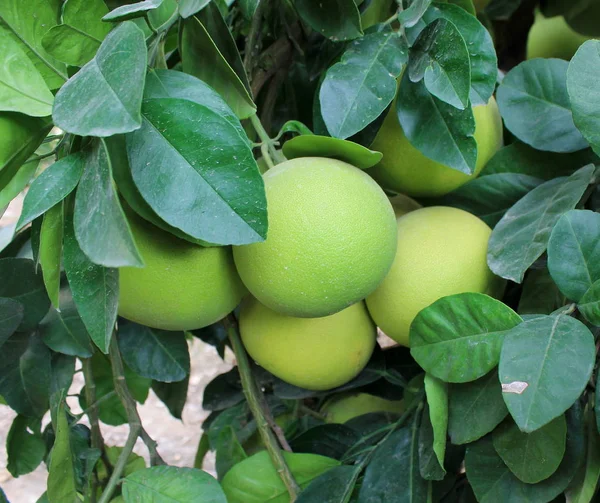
160,109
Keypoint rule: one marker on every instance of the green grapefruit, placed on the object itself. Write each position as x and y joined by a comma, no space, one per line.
406,170
183,286
441,251
312,353
552,37
345,407
331,239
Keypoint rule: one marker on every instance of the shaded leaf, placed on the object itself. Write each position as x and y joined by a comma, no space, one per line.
437,400
337,20
331,440
334,486
583,486
11,316
589,305
429,465
61,473
173,395
540,294
25,449
50,251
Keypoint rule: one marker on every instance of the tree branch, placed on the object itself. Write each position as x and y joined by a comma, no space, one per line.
253,396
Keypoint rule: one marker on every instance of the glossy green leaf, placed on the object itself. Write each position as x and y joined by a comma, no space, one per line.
537,355
95,289
458,338
482,54
81,33
589,304
331,440
531,457
334,148
393,472
429,464
173,395
583,486
11,316
255,479
475,408
188,8
64,332
540,294
337,20
203,59
521,158
21,282
25,450
229,451
62,368
423,116
17,184
535,106
440,57
583,69
100,225
131,11
50,252
22,88
493,482
27,23
523,233
156,354
51,187
334,486
61,473
574,252
104,98
359,88
220,194
411,16
437,399
25,374
489,197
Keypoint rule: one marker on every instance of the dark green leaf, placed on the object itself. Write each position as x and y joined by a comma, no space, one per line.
440,57
52,186
331,440
583,486
411,16
337,20
223,391
429,465
531,457
521,158
63,369
540,294
248,8
334,486
173,395
361,86
255,480
393,473
100,225
188,8
229,451
17,183
77,40
475,408
156,354
574,252
220,194
61,473
335,148
11,316
22,88
523,233
482,54
489,197
104,98
27,23
437,400
583,69
589,305
423,116
50,251
21,283
95,289
493,482
458,338
64,332
535,106
131,11
203,59
537,355
25,450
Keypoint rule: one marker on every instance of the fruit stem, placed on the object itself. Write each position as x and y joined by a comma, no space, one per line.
272,156
253,396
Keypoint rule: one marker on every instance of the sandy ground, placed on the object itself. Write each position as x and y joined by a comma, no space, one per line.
177,440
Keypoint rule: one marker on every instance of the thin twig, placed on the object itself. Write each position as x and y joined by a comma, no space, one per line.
273,154
253,394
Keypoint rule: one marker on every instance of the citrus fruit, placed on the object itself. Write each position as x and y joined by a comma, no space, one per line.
552,37
312,353
441,251
183,286
331,238
404,169
345,407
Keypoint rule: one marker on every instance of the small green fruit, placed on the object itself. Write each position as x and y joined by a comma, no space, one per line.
345,407
313,353
552,37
